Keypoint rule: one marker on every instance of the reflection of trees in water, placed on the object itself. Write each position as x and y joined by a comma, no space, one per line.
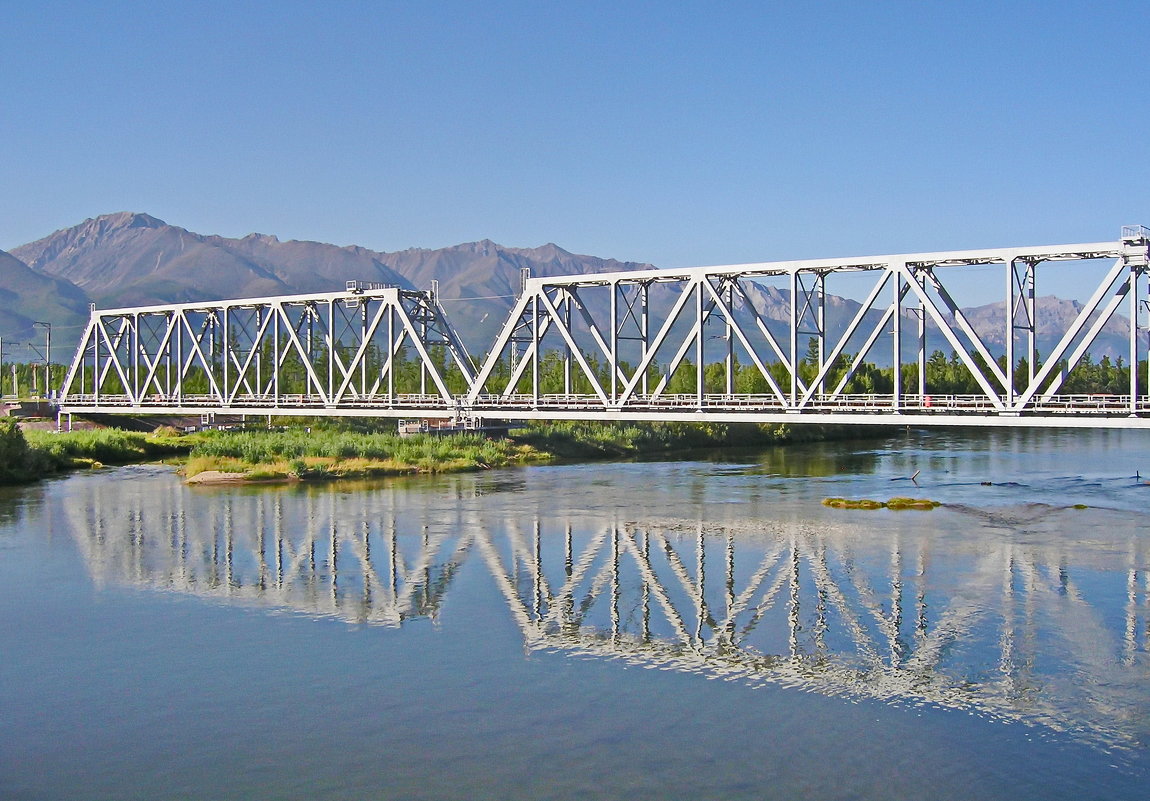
814,459
15,501
1037,632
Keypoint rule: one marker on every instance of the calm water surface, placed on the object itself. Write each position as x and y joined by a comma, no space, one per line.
655,630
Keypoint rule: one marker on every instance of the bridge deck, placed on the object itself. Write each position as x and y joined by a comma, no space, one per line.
1100,411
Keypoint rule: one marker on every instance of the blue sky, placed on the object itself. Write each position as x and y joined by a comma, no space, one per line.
674,133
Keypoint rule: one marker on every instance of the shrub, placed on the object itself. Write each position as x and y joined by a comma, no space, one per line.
18,462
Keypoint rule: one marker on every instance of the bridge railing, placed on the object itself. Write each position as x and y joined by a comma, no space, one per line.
878,403
289,402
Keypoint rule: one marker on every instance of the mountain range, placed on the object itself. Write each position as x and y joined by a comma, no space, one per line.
128,259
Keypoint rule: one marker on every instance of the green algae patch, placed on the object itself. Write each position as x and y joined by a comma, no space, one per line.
851,503
922,504
896,504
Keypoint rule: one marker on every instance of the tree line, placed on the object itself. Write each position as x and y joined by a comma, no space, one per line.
559,374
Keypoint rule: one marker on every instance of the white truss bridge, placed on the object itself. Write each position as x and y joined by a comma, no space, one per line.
624,345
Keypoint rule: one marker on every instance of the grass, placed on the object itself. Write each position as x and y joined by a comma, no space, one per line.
105,445
30,455
299,453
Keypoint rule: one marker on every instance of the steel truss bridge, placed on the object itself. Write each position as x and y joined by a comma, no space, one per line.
844,610
696,344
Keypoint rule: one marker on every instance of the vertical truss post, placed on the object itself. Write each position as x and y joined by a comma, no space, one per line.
95,334
1011,312
699,344
422,338
257,351
614,359
644,329
536,347
391,348
794,394
1138,270
226,354
135,388
329,338
821,325
896,337
1032,325
920,313
1135,302
180,320
565,308
276,367
729,336
363,316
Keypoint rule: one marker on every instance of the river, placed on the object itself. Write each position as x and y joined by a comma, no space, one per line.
691,629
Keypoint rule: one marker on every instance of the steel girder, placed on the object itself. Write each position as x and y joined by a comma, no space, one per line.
368,350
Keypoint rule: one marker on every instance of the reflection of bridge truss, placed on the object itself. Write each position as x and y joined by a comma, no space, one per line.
809,610
243,551
1001,628
693,344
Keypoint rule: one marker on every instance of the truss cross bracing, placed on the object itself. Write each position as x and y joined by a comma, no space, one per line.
769,342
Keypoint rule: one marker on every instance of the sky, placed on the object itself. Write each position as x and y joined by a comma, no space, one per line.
674,133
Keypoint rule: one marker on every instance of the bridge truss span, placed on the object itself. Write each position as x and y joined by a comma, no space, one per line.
770,342
368,350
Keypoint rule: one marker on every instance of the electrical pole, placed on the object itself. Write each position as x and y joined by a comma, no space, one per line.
47,356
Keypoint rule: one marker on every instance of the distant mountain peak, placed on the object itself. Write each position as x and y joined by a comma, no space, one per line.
483,247
126,219
269,238
552,250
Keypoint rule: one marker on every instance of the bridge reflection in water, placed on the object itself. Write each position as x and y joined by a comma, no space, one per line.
1049,634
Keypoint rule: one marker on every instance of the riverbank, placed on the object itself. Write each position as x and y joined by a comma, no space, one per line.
27,456
337,451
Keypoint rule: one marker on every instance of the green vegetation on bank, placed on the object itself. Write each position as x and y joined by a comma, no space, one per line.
306,453
341,451
30,455
351,449
18,462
